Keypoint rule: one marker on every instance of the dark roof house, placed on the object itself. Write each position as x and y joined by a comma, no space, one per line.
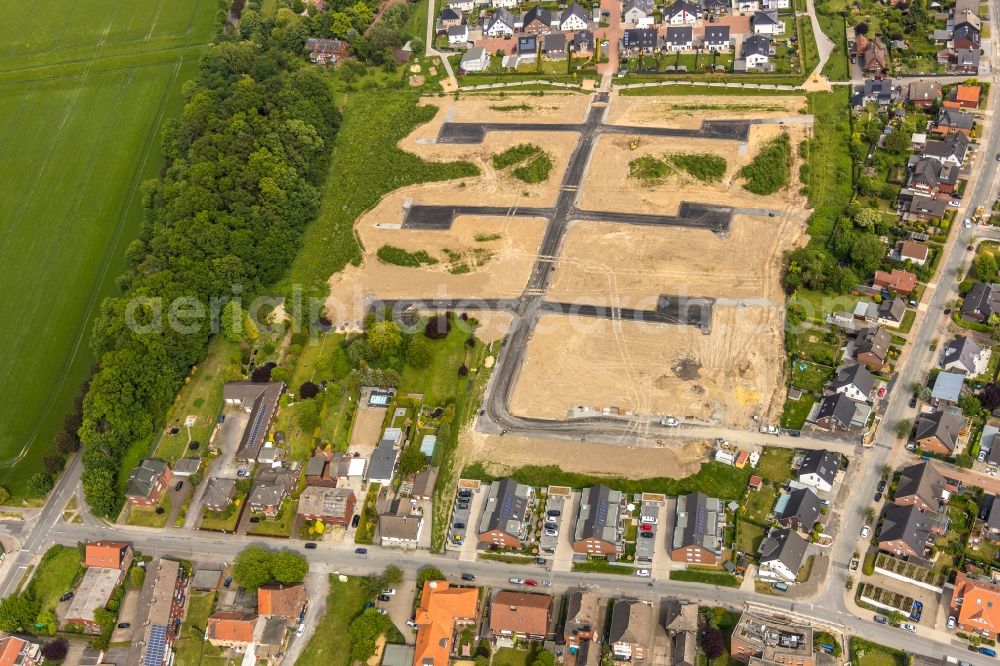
801,511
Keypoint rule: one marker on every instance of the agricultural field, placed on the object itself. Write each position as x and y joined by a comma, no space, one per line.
83,93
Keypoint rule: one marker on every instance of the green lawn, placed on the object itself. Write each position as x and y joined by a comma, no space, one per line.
690,90
713,478
815,344
603,566
708,577
85,87
866,653
222,521
147,517
796,412
831,177
907,323
813,378
776,464
510,657
330,644
365,165
760,503
439,381
818,304
749,537
190,647
55,575
280,526
201,397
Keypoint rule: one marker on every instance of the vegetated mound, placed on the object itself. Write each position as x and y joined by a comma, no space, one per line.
397,256
771,169
706,167
534,164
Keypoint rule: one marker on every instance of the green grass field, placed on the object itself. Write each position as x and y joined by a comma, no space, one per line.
60,568
330,643
84,88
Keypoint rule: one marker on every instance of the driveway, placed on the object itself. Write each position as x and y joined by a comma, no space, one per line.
127,614
662,564
318,586
468,551
177,498
227,441
563,559
400,608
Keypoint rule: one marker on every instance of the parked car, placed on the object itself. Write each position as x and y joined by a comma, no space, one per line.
469,577
906,626
551,526
124,625
382,611
360,551
865,531
670,422
878,497
916,611
989,652
551,532
779,587
516,581
881,486
954,203
180,484
228,581
982,456
66,597
951,621
355,520
540,560
645,527
881,619
530,582
553,513
459,526
648,520
301,630
646,535
465,493
389,591
642,573
411,624
254,519
384,597
913,402
311,545
242,473
854,564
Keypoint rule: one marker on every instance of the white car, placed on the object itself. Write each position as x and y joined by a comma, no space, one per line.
865,531
642,573
549,532
389,592
954,203
411,624
951,621
671,422
301,630
906,626
968,223
516,581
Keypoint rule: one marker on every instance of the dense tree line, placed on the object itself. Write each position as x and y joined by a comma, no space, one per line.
242,167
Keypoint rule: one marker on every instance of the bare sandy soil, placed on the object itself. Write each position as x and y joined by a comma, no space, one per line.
550,108
725,377
688,112
498,268
501,455
630,266
608,182
367,426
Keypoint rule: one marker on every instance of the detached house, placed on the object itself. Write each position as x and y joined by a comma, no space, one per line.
679,38
631,633
757,51
897,281
537,21
699,524
634,12
271,489
916,253
442,611
951,150
500,24
950,121
458,34
717,38
767,23
599,523
681,12
855,382
924,94
260,401
836,413
930,176
922,486
975,605
874,59
906,531
965,355
781,555
963,97
800,511
681,624
520,615
966,61
872,346
965,36
147,482
981,302
892,311
938,432
819,469
506,514
574,18
582,615
448,18
333,506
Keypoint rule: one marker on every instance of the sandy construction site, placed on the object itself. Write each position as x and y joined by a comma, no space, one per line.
727,377
688,111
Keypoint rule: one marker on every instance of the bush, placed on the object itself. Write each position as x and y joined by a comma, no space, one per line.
65,443
771,169
463,370
55,650
535,171
706,167
515,155
437,327
308,390
418,353
648,169
389,254
40,484
53,464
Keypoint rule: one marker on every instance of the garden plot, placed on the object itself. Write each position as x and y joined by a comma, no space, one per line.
726,377
608,178
685,111
508,108
631,266
496,265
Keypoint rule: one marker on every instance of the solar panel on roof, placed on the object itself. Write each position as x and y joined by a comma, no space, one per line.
602,512
157,645
701,520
